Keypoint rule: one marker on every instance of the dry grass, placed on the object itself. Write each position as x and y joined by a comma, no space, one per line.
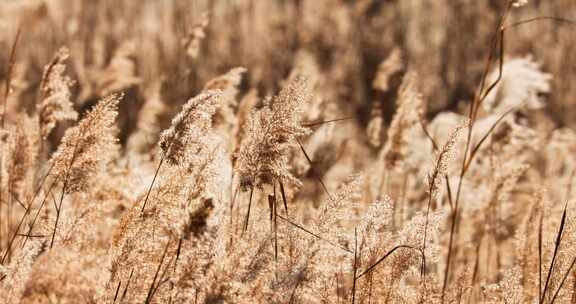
191,151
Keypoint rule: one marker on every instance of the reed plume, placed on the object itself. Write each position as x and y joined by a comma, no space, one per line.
271,134
55,104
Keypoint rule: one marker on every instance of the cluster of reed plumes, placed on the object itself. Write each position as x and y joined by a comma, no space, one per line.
304,151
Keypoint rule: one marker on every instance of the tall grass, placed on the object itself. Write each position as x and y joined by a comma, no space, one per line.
287,152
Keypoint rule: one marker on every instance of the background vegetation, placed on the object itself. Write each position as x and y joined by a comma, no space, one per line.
304,151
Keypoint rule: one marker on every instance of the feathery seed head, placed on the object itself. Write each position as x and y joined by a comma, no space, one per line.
522,82
446,154
186,135
55,104
193,41
84,147
271,132
406,119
